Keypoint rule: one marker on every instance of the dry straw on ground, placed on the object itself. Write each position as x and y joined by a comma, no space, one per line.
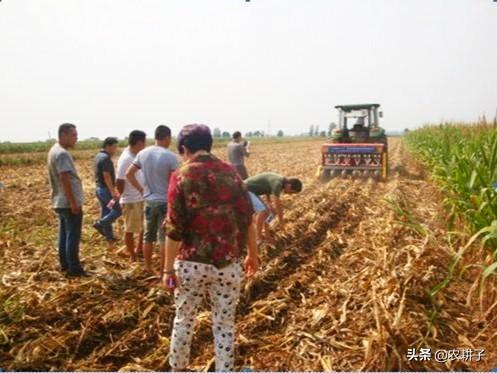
343,287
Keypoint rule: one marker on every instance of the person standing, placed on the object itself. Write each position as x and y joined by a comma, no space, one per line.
271,185
106,190
131,198
157,163
208,231
67,199
237,151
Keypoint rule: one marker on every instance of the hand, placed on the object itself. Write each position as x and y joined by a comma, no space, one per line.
116,195
75,209
166,278
251,264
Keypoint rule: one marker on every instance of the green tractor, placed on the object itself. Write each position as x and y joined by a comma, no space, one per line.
358,147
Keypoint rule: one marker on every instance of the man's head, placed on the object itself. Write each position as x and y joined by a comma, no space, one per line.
68,135
193,138
110,145
292,185
137,140
163,136
237,136
359,121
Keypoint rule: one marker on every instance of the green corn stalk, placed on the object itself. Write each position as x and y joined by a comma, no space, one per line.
463,161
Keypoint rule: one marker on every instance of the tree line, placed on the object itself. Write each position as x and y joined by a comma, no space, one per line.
7,147
315,131
219,134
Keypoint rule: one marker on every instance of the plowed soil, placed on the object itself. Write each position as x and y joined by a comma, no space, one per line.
344,286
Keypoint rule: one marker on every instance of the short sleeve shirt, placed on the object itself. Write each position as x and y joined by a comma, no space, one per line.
209,211
157,164
103,163
130,193
236,153
267,183
59,161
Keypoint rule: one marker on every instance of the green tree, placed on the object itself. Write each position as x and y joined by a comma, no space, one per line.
311,130
331,127
226,134
280,133
217,132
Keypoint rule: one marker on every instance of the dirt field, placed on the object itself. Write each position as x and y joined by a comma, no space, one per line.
344,287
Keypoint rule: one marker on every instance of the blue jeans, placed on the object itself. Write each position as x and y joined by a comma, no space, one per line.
107,215
257,203
69,237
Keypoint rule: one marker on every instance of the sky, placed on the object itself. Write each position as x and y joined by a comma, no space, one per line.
112,66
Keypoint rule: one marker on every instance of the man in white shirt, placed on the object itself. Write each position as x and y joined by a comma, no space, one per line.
157,163
131,198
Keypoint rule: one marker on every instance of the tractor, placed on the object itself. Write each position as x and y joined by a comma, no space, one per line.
358,147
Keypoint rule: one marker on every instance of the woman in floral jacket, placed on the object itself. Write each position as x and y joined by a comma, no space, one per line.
208,232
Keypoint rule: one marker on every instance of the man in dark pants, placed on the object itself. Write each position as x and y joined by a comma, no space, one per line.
67,199
106,191
237,151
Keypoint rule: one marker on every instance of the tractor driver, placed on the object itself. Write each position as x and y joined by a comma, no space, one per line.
359,123
271,185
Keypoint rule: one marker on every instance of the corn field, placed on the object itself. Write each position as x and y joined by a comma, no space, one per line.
347,285
463,160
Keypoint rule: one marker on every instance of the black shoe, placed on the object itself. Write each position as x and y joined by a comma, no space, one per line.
99,228
78,273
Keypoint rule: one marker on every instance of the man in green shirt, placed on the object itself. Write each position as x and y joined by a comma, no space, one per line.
271,185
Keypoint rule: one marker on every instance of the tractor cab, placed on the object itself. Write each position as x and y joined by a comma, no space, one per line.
358,146
358,123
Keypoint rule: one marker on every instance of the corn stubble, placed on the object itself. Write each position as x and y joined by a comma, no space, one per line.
345,286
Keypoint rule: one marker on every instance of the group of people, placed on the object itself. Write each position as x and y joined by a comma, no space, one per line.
268,184
200,211
138,191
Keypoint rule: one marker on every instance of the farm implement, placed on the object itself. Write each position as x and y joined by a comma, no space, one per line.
359,151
